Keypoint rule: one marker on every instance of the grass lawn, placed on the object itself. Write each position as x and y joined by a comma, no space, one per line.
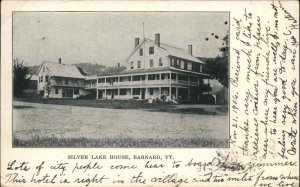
90,123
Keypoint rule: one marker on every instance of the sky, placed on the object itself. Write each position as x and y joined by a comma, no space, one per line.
108,37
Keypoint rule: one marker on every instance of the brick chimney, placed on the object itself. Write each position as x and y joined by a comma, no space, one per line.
136,42
59,60
157,39
190,49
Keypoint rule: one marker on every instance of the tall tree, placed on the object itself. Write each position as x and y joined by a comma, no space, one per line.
218,67
21,76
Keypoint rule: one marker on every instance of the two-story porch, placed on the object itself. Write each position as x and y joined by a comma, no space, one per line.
159,84
65,87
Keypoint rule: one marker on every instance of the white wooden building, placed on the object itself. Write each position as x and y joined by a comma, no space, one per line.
57,80
157,71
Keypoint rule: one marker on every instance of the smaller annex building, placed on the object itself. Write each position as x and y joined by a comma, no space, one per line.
57,80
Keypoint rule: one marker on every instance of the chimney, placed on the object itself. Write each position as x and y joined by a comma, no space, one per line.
118,65
157,39
190,49
59,60
136,42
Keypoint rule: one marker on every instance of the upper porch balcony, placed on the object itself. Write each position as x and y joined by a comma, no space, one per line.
67,82
148,83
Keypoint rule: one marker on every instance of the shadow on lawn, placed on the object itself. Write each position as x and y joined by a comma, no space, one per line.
129,104
55,142
199,111
22,107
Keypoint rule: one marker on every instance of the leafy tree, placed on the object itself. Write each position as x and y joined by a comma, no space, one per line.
110,70
47,87
218,67
21,77
82,71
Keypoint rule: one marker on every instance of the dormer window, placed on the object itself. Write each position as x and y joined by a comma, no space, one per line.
141,51
139,64
151,50
172,62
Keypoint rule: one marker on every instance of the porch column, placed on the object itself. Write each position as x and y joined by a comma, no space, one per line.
146,93
176,78
176,92
105,92
104,80
160,76
131,92
159,88
208,84
170,91
118,93
97,94
189,79
189,93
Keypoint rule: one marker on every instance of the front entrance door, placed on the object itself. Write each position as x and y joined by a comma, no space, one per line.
67,93
112,94
100,94
143,93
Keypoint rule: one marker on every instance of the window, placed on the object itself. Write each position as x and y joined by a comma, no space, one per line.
131,66
141,51
66,81
177,65
151,77
172,62
151,62
139,64
136,91
185,65
56,91
122,91
76,81
157,76
101,80
41,78
151,50
46,78
182,64
151,91
160,62
76,91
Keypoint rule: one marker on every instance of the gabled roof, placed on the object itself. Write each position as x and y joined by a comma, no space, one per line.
61,70
169,51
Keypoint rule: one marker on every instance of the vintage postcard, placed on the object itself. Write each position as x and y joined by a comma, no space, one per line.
164,93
